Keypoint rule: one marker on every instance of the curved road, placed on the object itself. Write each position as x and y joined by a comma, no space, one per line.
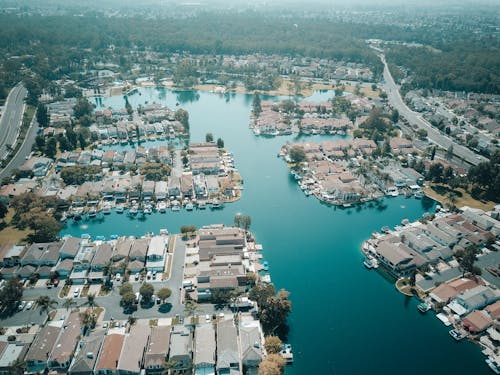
11,120
434,135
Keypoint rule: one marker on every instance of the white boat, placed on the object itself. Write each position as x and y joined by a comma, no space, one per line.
120,209
457,335
202,205
176,206
419,194
494,365
133,210
286,353
92,213
148,210
161,207
106,210
368,263
189,206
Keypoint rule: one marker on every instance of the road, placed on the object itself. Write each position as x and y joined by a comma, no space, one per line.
415,119
11,120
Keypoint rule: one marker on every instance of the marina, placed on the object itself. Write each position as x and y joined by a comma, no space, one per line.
306,236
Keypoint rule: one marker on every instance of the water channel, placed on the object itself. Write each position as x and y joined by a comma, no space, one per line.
346,319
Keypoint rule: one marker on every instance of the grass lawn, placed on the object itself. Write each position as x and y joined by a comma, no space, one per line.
11,234
440,193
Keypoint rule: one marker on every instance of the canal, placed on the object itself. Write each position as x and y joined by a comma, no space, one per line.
345,319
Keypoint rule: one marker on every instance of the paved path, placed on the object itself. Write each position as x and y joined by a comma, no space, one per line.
11,120
415,119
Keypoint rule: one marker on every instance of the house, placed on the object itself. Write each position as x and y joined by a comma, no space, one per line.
204,350
139,249
38,355
42,254
157,350
228,358
477,321
220,240
81,264
181,348
101,259
155,260
161,190
446,291
107,362
64,348
63,268
397,257
251,352
174,186
10,254
70,247
26,271
122,249
148,190
187,185
131,358
11,352
473,299
39,165
86,356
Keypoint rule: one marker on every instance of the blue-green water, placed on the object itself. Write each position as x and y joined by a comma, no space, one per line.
345,320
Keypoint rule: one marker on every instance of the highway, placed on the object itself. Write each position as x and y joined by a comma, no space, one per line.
433,134
11,120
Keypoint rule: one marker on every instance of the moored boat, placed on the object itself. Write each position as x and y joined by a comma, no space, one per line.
457,335
189,206
423,307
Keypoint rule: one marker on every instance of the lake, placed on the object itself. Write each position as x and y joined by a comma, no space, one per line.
345,319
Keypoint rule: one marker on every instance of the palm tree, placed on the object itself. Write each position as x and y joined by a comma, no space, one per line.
90,302
69,303
46,304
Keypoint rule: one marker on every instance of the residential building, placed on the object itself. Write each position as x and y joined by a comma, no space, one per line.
155,259
132,355
474,299
228,358
181,348
85,358
204,350
251,352
70,247
38,355
61,356
39,254
11,352
107,362
157,350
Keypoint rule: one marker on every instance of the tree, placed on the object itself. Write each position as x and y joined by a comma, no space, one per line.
466,259
146,290
128,299
11,294
182,116
51,147
82,108
221,296
45,227
256,105
190,307
260,293
40,143
209,137
275,311
163,294
91,301
126,288
246,221
274,364
3,210
297,154
185,229
395,116
69,303
435,172
273,344
237,220
433,152
449,152
220,143
42,115
46,304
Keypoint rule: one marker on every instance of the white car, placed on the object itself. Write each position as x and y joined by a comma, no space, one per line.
76,293
21,306
207,318
118,277
29,305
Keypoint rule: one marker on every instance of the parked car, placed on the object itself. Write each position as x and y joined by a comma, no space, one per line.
21,306
118,277
29,305
76,293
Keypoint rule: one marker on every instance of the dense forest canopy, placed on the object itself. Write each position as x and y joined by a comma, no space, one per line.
458,54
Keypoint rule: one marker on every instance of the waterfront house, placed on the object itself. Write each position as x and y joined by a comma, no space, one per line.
446,291
440,236
251,347
81,265
187,185
70,247
228,358
38,355
139,249
25,271
63,268
220,240
100,261
122,249
204,353
473,299
174,186
157,350
181,348
212,185
10,254
11,353
86,355
61,356
148,190
155,259
132,355
477,321
107,362
200,185
161,190
39,254
398,258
